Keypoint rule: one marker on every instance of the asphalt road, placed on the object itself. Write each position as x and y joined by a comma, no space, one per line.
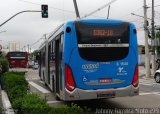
148,102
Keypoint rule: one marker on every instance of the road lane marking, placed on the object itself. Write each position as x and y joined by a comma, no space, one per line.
43,90
148,83
149,93
156,93
53,102
145,84
41,82
28,79
144,93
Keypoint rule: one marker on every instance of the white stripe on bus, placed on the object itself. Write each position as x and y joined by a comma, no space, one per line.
102,45
17,57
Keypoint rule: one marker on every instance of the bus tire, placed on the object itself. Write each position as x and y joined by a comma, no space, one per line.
45,84
57,97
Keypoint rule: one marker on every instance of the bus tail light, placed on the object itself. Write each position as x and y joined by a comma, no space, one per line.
135,80
69,80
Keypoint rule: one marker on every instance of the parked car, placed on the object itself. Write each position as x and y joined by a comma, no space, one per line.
157,76
30,64
35,66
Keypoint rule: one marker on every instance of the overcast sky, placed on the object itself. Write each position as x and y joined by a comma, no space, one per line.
27,28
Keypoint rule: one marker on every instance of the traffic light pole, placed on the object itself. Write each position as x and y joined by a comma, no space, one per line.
18,14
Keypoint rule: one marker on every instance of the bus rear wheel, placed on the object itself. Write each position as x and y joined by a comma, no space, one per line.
57,97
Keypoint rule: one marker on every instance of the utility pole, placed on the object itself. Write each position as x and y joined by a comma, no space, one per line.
147,65
28,48
153,41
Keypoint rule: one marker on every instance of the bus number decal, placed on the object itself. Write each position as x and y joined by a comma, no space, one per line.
90,66
121,71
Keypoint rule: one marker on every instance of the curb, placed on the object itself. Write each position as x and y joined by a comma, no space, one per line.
7,107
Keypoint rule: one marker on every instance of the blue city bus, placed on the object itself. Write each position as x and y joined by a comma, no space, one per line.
91,59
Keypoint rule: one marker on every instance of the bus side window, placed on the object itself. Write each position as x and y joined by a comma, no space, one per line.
53,50
49,52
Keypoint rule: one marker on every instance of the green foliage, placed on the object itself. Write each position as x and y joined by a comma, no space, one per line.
35,52
33,104
75,109
72,109
17,103
158,35
15,84
4,64
17,87
17,92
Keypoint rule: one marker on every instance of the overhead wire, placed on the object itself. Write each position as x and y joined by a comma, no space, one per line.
86,15
138,9
59,9
98,9
48,6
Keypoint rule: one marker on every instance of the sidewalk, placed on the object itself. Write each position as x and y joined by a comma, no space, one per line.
142,74
141,71
5,105
1,107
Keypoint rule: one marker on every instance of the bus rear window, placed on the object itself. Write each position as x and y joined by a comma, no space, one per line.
101,42
17,55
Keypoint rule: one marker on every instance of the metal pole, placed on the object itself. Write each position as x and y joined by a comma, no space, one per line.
153,41
2,31
76,9
28,48
108,12
147,65
17,14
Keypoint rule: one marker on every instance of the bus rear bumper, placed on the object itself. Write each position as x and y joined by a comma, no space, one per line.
80,94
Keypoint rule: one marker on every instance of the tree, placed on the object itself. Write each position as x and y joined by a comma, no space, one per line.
35,54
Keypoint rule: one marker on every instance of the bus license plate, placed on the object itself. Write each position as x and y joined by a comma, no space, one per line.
105,80
106,94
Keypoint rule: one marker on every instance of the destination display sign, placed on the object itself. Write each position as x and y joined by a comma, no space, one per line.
102,32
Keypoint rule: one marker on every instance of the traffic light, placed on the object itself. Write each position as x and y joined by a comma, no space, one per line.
44,11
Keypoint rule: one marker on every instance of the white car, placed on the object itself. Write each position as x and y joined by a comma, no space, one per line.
35,66
30,64
157,76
